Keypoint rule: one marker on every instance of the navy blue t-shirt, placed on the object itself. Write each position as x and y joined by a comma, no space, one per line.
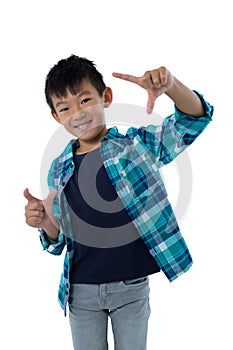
108,247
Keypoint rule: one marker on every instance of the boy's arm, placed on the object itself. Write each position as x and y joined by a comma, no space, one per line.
51,237
185,99
192,115
174,135
39,215
52,231
54,247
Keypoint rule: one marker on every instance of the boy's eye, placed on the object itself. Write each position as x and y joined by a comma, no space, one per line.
85,100
64,109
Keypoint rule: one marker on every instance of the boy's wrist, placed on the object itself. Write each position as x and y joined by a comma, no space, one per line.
174,89
51,230
185,99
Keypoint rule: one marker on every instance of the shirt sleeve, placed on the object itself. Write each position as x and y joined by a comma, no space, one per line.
53,247
48,244
176,133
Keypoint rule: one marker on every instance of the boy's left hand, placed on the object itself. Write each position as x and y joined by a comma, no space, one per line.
155,82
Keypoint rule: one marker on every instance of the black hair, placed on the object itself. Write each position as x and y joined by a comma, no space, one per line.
68,74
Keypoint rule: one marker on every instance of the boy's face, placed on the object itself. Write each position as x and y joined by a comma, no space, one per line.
83,114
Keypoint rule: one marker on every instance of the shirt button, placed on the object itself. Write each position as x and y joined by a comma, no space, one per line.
63,183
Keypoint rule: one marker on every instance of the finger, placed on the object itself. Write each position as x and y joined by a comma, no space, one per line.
34,213
48,203
28,195
163,73
34,221
33,202
150,103
146,81
126,77
155,78
159,77
34,205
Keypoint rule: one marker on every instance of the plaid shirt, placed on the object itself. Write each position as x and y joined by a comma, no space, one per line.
132,162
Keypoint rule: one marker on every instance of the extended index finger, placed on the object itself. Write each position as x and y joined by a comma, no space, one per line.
127,77
28,195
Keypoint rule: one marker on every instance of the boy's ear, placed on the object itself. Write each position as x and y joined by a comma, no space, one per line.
108,96
55,116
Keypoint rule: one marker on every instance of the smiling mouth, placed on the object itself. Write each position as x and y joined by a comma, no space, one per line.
83,126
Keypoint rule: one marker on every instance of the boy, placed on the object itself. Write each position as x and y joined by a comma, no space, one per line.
106,274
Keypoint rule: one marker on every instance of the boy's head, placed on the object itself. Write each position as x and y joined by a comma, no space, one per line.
77,96
68,74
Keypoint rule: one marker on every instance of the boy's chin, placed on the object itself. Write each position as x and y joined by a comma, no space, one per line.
92,134
85,135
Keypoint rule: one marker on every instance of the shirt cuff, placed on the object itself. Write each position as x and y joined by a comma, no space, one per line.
207,108
46,241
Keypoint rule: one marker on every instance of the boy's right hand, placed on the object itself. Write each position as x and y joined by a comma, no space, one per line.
38,213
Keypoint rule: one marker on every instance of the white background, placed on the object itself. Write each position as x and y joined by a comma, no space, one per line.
193,39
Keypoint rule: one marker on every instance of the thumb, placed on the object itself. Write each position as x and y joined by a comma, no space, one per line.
48,202
48,206
150,103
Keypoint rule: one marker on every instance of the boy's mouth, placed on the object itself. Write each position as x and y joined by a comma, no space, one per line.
83,126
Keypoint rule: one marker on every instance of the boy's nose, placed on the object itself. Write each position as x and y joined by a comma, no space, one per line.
77,117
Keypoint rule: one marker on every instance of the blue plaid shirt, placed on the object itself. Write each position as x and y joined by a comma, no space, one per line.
132,162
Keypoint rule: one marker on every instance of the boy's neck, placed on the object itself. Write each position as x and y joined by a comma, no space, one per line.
88,146
81,150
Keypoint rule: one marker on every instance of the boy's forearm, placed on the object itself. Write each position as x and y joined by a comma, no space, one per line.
185,99
52,231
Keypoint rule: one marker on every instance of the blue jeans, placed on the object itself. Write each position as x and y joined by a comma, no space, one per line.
125,302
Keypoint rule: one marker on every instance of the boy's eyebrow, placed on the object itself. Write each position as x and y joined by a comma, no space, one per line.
85,92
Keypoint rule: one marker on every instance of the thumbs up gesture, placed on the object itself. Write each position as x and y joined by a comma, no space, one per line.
39,213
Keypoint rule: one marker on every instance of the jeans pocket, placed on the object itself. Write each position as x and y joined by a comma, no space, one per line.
136,281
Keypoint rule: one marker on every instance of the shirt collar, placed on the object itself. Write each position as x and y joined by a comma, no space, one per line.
112,133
